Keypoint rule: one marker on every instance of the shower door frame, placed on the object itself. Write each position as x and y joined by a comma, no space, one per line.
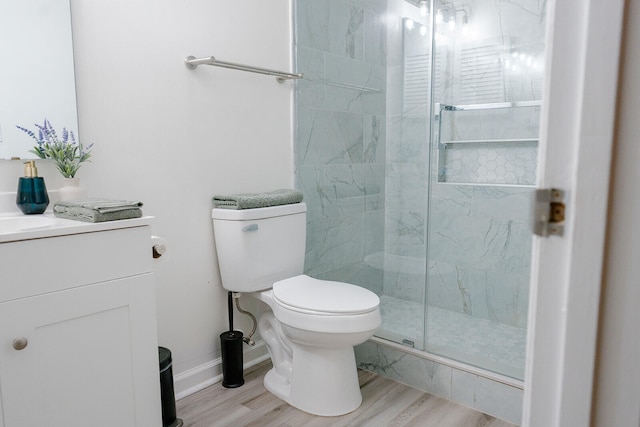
577,130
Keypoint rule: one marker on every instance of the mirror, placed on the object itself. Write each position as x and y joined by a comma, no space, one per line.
36,71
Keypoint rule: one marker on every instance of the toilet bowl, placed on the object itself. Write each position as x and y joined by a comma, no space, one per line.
312,325
310,335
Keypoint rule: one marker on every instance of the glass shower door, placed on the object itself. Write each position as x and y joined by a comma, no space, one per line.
406,177
416,140
486,106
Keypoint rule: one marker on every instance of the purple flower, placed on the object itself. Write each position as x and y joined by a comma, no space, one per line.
67,153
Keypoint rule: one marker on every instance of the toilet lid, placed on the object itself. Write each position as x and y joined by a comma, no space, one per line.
306,293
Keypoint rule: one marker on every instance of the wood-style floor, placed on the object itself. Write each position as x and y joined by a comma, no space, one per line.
385,403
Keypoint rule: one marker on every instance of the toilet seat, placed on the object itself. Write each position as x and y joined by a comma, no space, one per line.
324,306
323,297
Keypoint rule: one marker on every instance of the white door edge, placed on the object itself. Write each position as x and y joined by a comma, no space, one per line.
578,117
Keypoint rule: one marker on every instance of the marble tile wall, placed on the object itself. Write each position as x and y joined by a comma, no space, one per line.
479,254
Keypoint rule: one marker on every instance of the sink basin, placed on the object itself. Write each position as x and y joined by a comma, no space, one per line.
14,224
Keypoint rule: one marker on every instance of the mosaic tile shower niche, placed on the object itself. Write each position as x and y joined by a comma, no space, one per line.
416,145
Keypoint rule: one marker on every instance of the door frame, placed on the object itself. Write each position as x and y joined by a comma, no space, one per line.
576,139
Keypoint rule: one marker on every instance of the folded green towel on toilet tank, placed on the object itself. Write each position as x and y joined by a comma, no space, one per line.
257,200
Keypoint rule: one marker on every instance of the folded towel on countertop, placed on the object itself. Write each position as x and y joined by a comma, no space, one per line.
97,210
101,205
89,215
258,200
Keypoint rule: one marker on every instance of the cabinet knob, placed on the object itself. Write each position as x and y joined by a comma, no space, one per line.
20,343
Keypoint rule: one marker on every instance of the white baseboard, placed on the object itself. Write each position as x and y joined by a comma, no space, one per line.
202,376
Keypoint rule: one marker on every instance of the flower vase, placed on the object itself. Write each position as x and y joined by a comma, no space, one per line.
71,190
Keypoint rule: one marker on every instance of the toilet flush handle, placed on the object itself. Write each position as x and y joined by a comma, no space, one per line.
250,227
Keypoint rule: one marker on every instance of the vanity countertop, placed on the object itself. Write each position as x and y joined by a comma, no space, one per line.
17,227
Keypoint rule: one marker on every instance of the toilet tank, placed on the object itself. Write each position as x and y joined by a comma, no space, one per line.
257,247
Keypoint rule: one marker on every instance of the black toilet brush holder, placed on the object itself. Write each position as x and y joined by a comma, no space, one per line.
231,349
232,364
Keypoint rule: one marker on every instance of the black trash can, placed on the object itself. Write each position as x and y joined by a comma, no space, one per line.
167,395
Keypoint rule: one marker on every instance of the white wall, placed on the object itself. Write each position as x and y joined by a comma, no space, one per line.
617,377
173,138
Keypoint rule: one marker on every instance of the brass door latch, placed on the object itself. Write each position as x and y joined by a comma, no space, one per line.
548,212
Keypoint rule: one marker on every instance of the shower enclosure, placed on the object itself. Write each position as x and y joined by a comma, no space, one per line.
416,142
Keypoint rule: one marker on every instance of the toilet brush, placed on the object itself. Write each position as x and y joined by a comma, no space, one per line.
231,348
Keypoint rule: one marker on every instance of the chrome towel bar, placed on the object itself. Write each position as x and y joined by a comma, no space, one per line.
191,62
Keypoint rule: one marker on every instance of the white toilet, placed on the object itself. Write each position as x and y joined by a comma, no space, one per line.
313,325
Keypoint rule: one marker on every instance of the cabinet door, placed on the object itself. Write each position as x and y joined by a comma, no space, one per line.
91,357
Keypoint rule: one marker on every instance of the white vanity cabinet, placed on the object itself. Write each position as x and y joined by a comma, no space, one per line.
78,341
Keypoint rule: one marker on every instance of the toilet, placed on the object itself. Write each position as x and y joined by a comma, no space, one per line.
312,325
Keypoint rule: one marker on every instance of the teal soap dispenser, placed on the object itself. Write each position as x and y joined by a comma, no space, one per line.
32,195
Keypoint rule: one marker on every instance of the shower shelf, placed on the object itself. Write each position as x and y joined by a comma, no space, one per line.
485,184
489,161
495,141
347,86
441,107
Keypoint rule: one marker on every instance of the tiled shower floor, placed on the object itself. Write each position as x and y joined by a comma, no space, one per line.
479,342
